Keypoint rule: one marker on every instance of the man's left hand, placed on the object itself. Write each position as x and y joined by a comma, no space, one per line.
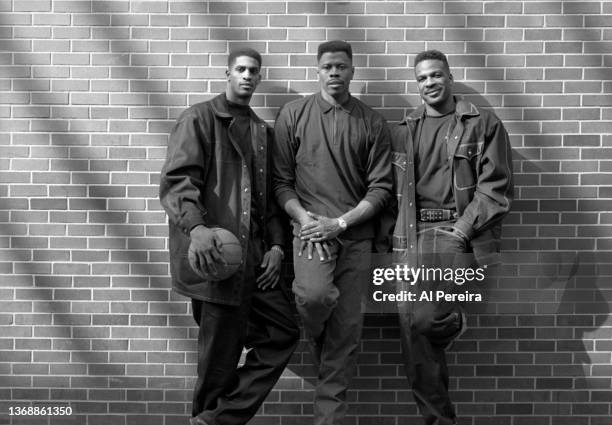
271,275
322,229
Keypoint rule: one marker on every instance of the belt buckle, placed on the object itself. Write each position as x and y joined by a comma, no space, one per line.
428,214
436,214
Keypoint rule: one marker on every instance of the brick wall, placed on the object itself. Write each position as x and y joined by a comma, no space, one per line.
88,93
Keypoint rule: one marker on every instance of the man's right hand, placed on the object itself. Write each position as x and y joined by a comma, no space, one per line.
205,250
321,247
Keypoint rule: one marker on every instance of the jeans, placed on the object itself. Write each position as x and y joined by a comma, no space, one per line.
428,327
328,298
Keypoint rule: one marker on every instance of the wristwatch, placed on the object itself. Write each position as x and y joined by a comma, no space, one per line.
342,223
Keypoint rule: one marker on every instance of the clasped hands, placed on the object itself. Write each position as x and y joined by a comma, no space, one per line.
317,233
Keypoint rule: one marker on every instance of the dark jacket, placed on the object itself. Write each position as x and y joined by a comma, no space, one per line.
206,180
481,166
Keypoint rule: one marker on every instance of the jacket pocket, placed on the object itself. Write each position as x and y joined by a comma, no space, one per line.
469,150
466,165
399,161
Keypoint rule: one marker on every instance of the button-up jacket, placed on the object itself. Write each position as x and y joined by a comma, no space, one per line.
206,180
480,157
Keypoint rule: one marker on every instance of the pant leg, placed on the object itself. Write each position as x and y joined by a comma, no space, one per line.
328,298
220,342
340,344
316,295
427,372
423,342
271,337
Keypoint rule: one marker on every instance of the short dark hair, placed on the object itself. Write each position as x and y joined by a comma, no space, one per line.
334,46
431,55
243,51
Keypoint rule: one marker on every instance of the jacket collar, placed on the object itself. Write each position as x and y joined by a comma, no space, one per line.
463,108
219,106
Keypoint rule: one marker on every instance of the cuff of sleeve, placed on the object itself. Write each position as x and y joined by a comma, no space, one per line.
376,200
277,240
464,228
192,220
284,196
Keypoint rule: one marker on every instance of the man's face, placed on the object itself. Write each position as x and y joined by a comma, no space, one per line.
242,78
435,82
335,73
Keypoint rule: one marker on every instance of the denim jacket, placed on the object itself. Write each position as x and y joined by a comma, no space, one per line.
206,180
481,166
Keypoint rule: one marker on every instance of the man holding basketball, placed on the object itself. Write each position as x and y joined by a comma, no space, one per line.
217,175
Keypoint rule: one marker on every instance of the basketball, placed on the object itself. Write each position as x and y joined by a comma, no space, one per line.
231,252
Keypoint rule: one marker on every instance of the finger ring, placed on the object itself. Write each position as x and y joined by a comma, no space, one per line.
318,234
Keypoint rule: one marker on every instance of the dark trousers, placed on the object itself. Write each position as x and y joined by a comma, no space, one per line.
264,323
429,327
328,297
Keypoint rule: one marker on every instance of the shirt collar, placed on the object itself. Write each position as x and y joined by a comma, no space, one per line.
220,106
463,108
325,106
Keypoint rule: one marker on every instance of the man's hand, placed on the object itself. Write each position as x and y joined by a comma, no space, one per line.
320,229
309,237
205,250
321,247
272,264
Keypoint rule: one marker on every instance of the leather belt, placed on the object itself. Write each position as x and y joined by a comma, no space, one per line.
435,214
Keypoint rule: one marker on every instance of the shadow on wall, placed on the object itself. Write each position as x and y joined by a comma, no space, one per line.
128,294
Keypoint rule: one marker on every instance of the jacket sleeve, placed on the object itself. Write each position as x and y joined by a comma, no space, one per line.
283,159
379,175
183,173
276,219
494,187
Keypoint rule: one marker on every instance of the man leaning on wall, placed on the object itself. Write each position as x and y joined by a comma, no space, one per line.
452,169
332,174
217,174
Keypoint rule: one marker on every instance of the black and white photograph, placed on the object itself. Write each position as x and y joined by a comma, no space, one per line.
363,212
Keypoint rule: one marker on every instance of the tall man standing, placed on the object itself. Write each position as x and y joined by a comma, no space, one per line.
332,174
217,175
453,181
